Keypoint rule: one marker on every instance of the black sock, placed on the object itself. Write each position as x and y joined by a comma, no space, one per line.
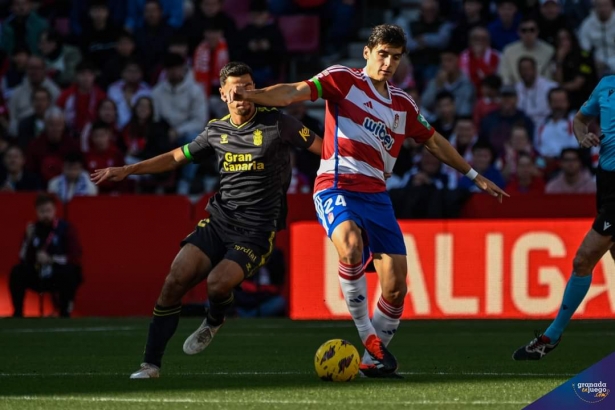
215,316
161,329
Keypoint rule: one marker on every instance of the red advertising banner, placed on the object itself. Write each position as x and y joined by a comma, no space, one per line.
494,269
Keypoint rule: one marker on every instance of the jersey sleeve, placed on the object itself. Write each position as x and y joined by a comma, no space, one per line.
331,84
591,108
199,148
417,127
294,132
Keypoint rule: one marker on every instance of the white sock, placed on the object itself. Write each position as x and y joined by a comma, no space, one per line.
385,322
354,287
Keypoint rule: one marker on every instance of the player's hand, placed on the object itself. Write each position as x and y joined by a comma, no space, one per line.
114,174
235,93
589,140
489,187
43,258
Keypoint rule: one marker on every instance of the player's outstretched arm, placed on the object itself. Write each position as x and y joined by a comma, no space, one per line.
162,163
445,152
581,132
279,95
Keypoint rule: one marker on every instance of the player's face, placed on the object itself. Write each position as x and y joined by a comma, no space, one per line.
239,107
382,61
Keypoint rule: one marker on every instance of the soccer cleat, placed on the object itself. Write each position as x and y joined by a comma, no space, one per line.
147,371
372,372
201,338
538,348
384,361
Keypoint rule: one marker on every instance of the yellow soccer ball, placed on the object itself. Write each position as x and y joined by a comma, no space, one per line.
337,361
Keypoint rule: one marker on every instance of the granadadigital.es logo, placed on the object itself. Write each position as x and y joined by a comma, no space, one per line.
591,392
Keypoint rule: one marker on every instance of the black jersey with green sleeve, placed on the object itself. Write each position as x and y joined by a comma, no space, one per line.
254,166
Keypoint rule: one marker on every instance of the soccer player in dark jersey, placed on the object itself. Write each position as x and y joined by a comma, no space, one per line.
252,145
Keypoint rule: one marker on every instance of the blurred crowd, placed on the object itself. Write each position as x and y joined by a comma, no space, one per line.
87,84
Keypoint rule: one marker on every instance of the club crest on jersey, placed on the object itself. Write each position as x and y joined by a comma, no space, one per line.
396,122
379,130
258,138
224,139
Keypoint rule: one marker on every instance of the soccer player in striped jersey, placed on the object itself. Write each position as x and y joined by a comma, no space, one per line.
367,120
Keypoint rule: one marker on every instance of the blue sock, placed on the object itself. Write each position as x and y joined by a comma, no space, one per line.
576,289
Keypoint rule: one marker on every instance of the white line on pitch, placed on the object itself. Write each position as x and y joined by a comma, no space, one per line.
248,400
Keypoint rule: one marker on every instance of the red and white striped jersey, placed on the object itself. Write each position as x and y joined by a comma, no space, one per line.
364,131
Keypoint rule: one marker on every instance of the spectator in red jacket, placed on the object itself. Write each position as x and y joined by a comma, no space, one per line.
46,153
527,179
103,154
479,60
81,99
50,260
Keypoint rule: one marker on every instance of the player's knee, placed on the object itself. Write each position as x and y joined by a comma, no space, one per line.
396,292
351,251
217,287
581,264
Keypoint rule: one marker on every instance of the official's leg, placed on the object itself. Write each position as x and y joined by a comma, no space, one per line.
348,242
66,280
592,249
22,277
190,266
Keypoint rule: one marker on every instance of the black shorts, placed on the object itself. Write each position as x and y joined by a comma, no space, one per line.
604,223
249,248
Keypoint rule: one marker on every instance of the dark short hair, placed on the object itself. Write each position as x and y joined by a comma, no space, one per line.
172,60
73,158
576,151
100,125
555,90
529,19
43,199
513,2
442,95
125,34
41,90
492,81
53,36
528,59
132,61
387,34
86,65
465,118
482,144
449,50
98,4
235,69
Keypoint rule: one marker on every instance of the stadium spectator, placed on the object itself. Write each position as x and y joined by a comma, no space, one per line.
80,100
307,162
15,73
404,75
519,144
497,126
103,154
125,92
209,57
178,44
595,29
22,28
527,179
50,260
576,11
529,46
45,154
428,191
556,132
74,180
16,178
450,78
172,11
464,137
575,70
479,60
204,16
551,20
427,36
264,47
99,38
261,294
483,161
81,14
181,102
125,50
32,126
574,177
504,29
153,38
20,104
490,98
532,91
471,18
107,113
445,113
61,59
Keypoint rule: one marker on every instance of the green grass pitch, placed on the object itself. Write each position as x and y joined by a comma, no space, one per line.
268,364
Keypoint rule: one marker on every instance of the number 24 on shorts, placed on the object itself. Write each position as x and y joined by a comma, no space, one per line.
328,206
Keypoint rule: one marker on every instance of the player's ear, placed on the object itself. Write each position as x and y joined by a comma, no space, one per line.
366,51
